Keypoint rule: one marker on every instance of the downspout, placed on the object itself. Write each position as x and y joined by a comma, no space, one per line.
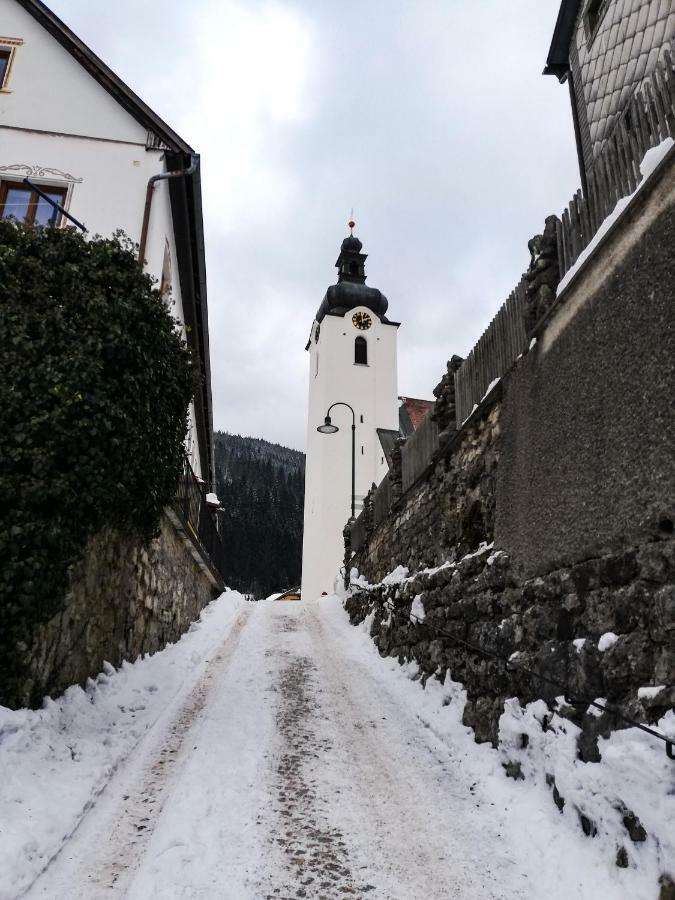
180,173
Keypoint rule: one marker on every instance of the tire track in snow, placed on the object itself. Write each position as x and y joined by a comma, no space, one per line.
398,780
314,849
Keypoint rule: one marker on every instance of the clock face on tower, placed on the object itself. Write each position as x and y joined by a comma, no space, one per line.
362,321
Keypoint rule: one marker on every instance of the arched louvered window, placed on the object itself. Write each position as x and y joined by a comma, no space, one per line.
361,351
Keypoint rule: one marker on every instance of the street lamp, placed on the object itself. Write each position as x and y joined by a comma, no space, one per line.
329,428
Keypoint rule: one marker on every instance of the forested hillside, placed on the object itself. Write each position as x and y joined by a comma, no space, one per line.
261,489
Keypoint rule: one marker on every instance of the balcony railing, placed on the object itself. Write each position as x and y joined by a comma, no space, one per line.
199,520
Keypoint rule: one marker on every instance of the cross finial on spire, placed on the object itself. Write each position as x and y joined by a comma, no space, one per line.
351,223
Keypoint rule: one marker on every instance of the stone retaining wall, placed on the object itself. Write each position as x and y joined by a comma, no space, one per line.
553,624
125,599
449,511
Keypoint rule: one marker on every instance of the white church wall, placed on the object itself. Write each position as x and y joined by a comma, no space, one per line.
372,392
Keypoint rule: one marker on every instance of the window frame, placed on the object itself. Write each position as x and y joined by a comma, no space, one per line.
9,45
7,184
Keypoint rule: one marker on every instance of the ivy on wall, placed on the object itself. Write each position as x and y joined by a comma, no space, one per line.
95,382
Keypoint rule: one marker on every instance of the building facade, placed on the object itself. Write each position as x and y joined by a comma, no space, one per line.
73,134
352,363
605,49
71,127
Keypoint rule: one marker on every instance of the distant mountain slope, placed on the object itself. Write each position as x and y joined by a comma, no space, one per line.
261,488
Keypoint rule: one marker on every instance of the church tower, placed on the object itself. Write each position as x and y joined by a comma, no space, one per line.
352,363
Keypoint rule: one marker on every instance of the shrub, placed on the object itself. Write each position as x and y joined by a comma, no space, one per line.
95,381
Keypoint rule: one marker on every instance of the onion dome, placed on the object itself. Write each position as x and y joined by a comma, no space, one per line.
351,289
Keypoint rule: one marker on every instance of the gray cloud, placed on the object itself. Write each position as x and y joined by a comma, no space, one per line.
431,119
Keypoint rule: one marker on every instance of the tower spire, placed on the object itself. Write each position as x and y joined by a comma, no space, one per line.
351,262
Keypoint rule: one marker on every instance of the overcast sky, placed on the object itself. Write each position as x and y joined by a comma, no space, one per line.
429,117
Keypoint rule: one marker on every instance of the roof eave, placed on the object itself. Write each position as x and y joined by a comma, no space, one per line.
558,59
186,211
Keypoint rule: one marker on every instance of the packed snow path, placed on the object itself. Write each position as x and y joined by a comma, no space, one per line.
290,769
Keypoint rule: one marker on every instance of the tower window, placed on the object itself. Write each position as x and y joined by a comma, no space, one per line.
360,351
353,268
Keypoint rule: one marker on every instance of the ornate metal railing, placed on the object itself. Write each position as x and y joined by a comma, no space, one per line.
198,519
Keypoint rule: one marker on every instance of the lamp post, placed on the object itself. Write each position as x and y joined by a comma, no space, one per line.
329,428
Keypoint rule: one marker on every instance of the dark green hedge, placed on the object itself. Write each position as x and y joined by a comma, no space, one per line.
95,382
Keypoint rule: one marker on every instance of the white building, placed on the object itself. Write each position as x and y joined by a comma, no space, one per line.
71,127
352,363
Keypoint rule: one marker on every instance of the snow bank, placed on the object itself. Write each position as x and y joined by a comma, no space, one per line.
629,789
607,640
601,829
399,574
650,691
56,760
417,611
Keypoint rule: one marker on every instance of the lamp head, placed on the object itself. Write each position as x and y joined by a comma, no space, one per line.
327,427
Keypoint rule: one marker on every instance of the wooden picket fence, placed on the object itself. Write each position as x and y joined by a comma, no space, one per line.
648,120
493,355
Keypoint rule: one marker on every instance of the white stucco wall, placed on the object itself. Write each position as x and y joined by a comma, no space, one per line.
59,127
372,392
54,91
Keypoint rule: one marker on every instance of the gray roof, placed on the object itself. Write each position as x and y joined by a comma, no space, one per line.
388,438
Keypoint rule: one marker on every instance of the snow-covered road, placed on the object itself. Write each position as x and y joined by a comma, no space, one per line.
295,765
287,771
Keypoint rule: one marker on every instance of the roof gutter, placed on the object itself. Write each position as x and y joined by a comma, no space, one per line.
179,173
558,60
186,207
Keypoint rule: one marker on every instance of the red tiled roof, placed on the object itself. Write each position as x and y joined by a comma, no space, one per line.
416,409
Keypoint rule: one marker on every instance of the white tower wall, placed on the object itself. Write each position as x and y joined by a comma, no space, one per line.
371,390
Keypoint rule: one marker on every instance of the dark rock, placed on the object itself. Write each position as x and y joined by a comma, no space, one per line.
664,613
587,825
618,569
557,799
513,770
622,858
543,275
667,888
656,561
634,827
627,663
